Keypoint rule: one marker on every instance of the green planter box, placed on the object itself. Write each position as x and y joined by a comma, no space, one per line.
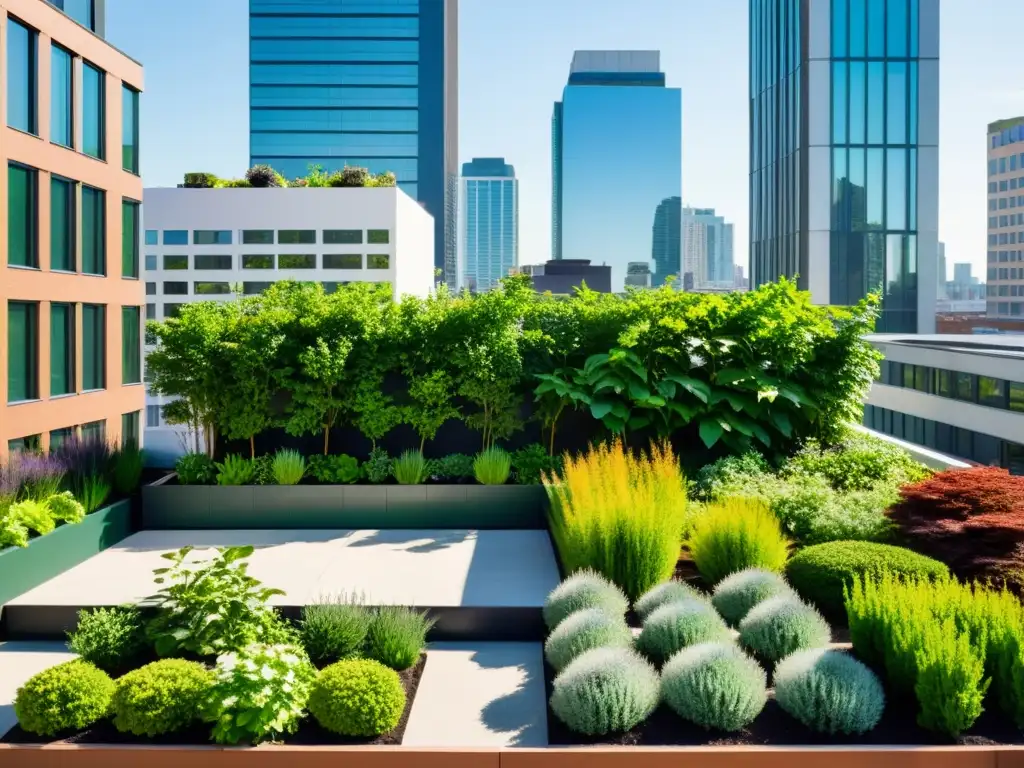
166,506
24,568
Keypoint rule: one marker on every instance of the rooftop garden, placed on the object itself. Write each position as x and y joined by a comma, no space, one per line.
264,177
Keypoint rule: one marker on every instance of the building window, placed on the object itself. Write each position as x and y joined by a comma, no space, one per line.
257,261
943,383
377,261
343,236
94,113
296,236
60,436
151,289
965,387
992,392
173,261
62,349
151,262
152,237
252,288
199,288
94,432
129,238
22,351
27,444
62,97
94,231
175,288
22,216
378,237
130,429
153,416
296,261
94,347
131,345
212,261
211,237
172,310
343,261
62,224
21,77
150,313
129,129
175,237
1016,396
257,237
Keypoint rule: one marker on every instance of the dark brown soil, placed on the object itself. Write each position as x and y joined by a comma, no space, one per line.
310,732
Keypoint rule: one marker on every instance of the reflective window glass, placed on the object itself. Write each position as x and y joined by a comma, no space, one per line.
21,77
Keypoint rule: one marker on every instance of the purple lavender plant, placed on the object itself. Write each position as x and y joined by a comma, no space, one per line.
84,457
30,476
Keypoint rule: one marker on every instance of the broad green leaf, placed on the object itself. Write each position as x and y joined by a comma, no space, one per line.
695,387
683,410
599,409
638,391
654,401
621,410
761,434
595,360
639,422
732,375
781,420
710,431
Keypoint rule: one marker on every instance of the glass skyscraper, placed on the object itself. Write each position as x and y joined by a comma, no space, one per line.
616,146
844,109
488,222
372,83
666,241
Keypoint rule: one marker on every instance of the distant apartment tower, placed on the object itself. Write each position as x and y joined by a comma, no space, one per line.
615,112
844,110
371,83
707,249
666,237
488,222
71,298
1005,289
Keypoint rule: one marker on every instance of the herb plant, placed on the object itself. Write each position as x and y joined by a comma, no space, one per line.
456,467
531,462
378,467
397,636
334,470
332,630
111,638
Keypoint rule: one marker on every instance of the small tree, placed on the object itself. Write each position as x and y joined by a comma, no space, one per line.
431,404
373,412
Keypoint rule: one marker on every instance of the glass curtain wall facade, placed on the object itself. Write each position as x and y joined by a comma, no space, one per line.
489,223
371,83
844,152
666,246
615,112
89,13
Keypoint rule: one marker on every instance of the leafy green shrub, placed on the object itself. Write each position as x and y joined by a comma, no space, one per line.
735,534
584,589
619,514
260,692
397,635
532,461
859,462
410,468
161,697
779,626
582,631
677,625
127,468
737,593
69,696
829,691
211,606
288,467
724,476
357,698
813,512
235,470
64,506
492,466
200,180
13,532
334,630
605,690
111,638
951,682
263,470
821,573
334,470
378,467
714,685
264,176
95,489
457,466
34,515
195,469
666,592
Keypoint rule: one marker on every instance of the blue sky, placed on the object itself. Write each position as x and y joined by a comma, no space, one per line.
513,60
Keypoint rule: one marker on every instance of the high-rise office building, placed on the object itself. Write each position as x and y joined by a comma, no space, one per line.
488,222
707,249
71,297
666,240
616,113
371,83
941,271
844,99
1006,219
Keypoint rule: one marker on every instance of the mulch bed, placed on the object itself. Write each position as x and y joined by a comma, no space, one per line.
310,732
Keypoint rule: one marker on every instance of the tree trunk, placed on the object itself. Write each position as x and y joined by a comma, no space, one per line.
327,436
252,446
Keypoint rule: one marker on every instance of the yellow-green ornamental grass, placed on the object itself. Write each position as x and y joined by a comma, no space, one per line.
735,534
620,514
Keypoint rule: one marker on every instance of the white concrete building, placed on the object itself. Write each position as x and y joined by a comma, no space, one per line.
204,244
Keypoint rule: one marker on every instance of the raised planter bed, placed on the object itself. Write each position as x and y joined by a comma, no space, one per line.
169,506
23,568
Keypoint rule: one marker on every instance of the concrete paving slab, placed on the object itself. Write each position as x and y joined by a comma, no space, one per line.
18,662
480,695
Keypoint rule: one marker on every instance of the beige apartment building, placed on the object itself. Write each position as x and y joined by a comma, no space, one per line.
1005,278
71,298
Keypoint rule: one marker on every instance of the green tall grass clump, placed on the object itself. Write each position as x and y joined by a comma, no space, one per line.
288,467
235,470
334,629
621,515
734,534
397,635
410,468
127,468
492,466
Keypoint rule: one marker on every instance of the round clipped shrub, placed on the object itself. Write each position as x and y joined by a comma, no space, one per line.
666,592
736,594
582,631
715,685
67,697
829,691
357,698
161,697
606,690
819,573
584,589
677,625
781,625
